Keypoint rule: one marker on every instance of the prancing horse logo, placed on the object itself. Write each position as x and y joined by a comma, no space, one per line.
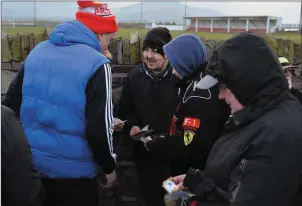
188,137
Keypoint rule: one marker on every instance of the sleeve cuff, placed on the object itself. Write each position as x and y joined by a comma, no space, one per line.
109,167
198,183
193,177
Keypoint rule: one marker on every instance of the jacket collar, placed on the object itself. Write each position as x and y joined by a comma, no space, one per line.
252,112
167,72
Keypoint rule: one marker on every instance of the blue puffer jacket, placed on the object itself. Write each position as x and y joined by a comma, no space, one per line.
53,104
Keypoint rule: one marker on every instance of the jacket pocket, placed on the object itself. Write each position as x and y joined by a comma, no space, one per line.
236,177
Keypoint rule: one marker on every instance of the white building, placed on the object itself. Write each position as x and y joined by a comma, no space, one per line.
170,27
261,24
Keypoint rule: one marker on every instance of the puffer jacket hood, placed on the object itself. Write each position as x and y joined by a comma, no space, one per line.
74,32
249,68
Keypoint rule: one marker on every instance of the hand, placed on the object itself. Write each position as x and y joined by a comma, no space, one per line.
178,180
145,140
156,143
110,179
134,130
118,124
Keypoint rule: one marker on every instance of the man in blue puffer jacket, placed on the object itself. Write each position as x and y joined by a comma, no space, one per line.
63,97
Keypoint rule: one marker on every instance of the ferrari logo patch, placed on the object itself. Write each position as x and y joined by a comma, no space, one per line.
188,137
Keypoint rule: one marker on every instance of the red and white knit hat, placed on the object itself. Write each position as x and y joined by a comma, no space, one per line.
97,16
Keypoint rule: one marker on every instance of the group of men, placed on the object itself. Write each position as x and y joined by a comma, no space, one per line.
161,93
228,129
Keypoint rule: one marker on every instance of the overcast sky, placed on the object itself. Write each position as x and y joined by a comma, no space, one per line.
289,11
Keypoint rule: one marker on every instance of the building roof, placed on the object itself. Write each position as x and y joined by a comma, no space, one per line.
230,17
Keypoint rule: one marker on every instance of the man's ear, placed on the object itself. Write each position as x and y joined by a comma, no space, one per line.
99,36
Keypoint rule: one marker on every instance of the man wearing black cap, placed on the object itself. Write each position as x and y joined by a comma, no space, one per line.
149,98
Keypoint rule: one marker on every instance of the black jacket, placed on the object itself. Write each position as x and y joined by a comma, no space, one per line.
148,100
296,94
258,159
197,123
21,185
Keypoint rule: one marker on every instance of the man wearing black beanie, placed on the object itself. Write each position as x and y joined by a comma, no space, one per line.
149,97
156,39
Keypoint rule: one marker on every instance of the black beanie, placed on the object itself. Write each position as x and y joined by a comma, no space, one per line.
156,38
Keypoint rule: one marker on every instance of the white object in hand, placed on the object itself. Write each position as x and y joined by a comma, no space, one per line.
169,186
145,128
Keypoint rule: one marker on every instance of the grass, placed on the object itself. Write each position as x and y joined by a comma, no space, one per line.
125,33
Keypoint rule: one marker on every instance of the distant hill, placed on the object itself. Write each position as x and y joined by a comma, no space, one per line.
161,11
152,11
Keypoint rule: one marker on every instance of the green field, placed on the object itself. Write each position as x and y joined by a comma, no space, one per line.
125,33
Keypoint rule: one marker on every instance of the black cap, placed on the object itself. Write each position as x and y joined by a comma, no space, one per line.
156,38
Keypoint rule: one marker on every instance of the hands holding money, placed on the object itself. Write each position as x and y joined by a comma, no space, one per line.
118,124
176,190
155,143
179,180
134,130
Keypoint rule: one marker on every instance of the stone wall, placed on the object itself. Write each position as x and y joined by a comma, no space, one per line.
16,48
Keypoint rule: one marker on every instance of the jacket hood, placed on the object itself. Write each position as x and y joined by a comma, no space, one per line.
74,32
249,68
186,53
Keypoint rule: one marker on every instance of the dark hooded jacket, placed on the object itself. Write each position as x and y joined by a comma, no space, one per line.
296,94
21,184
196,124
258,159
